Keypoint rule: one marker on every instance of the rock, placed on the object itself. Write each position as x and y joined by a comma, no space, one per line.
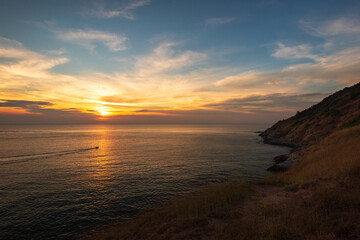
287,164
276,168
281,158
280,167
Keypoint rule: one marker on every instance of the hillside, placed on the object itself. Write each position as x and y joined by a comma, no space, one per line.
339,110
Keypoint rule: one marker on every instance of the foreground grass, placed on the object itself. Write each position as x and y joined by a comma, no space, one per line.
322,201
331,173
330,212
182,218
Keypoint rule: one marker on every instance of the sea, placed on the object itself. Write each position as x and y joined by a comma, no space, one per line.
62,181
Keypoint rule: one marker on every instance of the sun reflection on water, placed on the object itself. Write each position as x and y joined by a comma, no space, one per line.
102,171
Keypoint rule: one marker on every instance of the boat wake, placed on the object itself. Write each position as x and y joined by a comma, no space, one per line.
27,157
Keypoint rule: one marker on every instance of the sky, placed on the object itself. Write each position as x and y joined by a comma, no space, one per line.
167,61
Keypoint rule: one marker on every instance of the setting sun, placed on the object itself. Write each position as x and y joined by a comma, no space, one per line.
103,111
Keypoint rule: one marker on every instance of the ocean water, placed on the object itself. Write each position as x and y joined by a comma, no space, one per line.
55,184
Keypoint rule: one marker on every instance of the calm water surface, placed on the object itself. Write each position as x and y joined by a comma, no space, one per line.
55,185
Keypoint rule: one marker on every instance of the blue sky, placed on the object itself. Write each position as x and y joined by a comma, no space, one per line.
145,60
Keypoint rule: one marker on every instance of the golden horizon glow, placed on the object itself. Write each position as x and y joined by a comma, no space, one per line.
102,111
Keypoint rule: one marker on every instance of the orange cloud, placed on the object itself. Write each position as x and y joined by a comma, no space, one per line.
13,111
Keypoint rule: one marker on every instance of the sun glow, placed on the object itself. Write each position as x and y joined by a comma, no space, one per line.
103,111
110,103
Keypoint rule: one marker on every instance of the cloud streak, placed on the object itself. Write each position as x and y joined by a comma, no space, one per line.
332,70
36,113
100,11
89,38
336,27
164,58
294,52
272,102
23,104
27,64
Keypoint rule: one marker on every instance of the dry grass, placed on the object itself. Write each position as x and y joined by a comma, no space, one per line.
330,212
331,172
182,218
335,157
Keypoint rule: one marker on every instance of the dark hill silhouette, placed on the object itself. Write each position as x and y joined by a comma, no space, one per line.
339,110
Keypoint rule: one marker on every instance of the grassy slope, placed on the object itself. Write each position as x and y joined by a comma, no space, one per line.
331,173
325,203
335,157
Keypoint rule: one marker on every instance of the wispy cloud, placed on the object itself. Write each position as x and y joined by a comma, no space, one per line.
333,64
216,22
23,104
40,112
165,58
294,52
340,68
28,63
27,74
28,106
89,38
13,49
271,102
99,9
335,27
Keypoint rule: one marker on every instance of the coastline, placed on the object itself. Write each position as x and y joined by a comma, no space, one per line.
284,161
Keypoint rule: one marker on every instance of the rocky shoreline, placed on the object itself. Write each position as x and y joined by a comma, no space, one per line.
284,161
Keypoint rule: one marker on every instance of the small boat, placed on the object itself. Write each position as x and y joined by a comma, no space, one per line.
96,147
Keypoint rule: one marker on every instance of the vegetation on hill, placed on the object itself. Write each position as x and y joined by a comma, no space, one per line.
335,157
339,110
